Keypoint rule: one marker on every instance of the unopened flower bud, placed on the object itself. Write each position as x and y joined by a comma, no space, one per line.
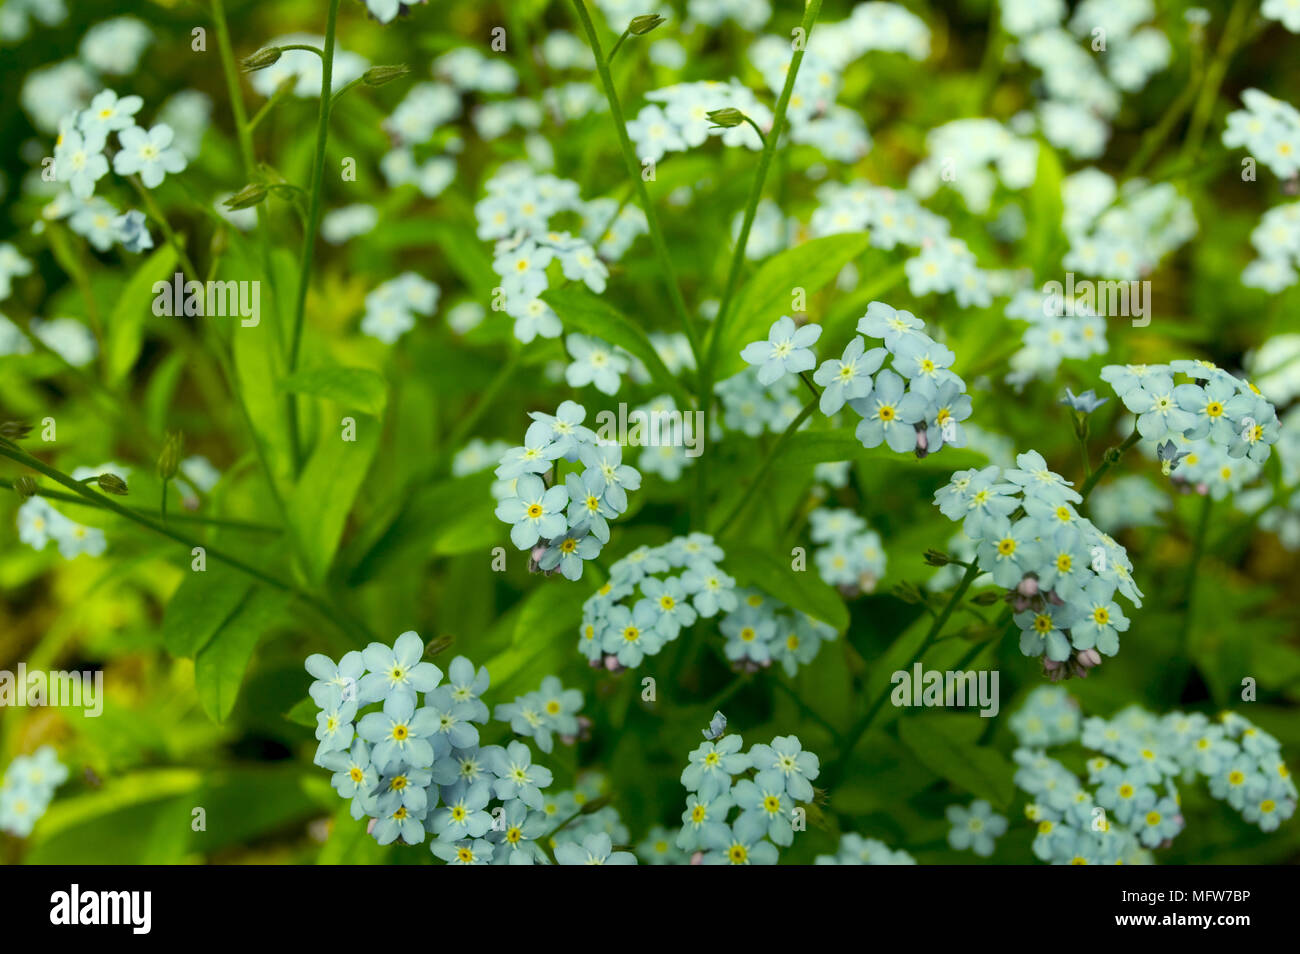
726,118
1028,586
112,484
247,197
25,487
15,430
987,598
937,558
169,461
1089,658
261,59
643,24
379,75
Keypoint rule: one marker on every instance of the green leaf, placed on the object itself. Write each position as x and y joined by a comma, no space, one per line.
200,606
325,493
303,713
219,667
580,309
947,751
803,590
354,388
134,305
767,295
549,612
1045,210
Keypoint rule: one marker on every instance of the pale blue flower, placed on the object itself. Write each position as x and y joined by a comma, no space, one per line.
787,350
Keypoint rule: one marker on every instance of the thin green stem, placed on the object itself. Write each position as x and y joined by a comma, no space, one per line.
765,466
809,711
1108,460
280,95
160,218
1193,566
618,43
313,219
1214,74
308,48
706,367
634,170
859,729
81,501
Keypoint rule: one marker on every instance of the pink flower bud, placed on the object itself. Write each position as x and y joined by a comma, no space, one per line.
697,858
1089,658
922,445
1028,586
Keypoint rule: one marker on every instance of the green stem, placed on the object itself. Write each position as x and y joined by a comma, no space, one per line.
1108,460
160,218
618,43
634,170
706,367
765,466
809,711
1214,74
313,218
323,608
280,95
860,728
180,517
1189,585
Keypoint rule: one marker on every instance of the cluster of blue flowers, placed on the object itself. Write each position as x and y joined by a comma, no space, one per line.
517,213
563,525
1129,803
852,556
653,593
766,784
585,827
856,850
417,771
1062,573
916,405
677,583
27,789
1214,406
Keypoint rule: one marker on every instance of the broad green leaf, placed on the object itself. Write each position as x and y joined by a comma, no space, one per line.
133,308
352,388
951,755
803,590
303,713
259,364
445,519
549,612
219,667
326,491
766,296
1045,210
201,605
581,310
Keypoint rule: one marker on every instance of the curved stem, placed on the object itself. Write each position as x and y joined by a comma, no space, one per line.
324,608
812,9
1109,459
765,466
220,522
634,170
860,728
313,216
